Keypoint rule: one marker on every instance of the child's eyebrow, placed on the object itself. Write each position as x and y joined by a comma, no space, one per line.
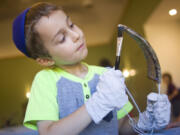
60,30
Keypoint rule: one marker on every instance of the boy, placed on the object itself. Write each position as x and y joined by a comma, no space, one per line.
69,97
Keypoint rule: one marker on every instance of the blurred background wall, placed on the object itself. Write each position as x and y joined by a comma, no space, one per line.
98,19
163,32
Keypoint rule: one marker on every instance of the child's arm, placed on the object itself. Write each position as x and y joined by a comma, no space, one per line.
110,94
70,125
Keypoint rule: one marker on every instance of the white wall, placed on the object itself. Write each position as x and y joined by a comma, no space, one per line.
165,39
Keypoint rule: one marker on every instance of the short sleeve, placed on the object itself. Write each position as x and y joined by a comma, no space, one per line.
123,112
42,103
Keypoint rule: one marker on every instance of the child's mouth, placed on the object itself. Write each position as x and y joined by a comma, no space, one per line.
80,47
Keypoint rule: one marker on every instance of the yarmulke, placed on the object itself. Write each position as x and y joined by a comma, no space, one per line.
19,32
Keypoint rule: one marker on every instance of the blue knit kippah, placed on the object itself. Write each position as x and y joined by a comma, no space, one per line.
18,32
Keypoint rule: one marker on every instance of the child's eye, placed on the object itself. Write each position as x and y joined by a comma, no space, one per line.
72,25
62,40
69,22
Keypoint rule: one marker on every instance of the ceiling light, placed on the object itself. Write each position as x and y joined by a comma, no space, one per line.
172,12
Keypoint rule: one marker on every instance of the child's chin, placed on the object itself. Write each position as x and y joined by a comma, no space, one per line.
80,58
85,53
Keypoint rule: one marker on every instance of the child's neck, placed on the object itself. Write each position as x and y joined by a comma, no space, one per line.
78,69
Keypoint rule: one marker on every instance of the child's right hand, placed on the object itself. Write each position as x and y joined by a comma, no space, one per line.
110,94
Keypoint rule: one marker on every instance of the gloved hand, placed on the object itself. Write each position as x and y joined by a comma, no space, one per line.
162,112
157,114
110,94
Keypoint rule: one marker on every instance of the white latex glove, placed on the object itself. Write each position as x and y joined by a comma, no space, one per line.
157,114
110,94
162,112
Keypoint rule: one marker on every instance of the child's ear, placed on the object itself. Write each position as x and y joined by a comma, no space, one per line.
45,62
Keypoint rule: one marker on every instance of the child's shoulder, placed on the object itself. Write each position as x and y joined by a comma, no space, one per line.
98,69
47,73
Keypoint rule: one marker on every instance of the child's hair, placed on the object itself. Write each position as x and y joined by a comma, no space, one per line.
34,44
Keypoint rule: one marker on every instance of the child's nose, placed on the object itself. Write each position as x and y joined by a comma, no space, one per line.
74,35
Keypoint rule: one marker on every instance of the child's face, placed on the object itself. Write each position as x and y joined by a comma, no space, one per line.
64,41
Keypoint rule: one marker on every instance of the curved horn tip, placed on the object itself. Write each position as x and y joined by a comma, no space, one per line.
121,27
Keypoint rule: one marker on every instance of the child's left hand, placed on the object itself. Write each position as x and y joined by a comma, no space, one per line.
157,114
162,111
